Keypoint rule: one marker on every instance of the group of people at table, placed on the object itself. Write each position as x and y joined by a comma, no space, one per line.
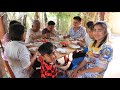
91,62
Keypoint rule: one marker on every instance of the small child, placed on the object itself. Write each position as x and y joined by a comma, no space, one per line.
48,59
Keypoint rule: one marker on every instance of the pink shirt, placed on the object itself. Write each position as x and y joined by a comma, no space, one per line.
5,39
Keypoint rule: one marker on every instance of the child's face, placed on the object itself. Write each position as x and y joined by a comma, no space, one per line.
51,27
50,57
89,31
76,23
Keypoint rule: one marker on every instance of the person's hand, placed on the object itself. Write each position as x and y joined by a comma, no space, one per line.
36,53
81,43
74,74
81,72
32,36
78,43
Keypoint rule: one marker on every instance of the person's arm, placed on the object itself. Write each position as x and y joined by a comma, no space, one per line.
84,33
82,64
26,61
82,43
64,67
33,58
95,69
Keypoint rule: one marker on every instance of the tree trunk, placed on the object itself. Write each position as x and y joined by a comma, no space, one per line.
45,17
2,31
102,14
24,22
5,23
36,15
57,22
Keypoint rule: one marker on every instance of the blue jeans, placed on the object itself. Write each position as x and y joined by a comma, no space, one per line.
85,49
76,62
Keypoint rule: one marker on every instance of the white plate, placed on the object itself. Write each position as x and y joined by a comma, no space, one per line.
37,44
62,50
74,46
33,48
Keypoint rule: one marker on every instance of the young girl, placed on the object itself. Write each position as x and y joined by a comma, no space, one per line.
99,55
6,38
18,56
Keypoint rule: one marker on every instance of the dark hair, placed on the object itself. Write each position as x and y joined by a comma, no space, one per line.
16,32
90,25
51,23
77,18
102,24
46,48
13,22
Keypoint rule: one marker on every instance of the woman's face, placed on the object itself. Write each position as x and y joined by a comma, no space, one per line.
99,32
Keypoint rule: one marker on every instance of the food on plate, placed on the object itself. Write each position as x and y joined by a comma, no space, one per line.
61,50
74,46
33,48
64,43
44,40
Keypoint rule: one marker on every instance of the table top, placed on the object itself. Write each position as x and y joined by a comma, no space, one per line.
58,54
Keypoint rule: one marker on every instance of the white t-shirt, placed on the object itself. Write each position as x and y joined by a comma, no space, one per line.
18,58
88,40
31,32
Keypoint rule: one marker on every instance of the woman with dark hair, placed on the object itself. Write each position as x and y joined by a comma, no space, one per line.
6,39
19,58
98,57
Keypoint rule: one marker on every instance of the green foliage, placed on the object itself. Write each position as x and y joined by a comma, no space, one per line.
64,20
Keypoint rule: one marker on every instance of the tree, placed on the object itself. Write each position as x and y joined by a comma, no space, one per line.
2,31
36,15
102,14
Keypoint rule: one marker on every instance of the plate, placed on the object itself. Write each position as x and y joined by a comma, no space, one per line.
54,38
37,44
74,46
33,48
62,50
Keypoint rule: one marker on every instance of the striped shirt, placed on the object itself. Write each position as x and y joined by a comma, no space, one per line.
77,34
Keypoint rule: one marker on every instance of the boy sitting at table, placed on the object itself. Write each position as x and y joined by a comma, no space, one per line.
48,61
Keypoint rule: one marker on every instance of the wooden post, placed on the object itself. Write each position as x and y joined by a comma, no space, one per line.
45,18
